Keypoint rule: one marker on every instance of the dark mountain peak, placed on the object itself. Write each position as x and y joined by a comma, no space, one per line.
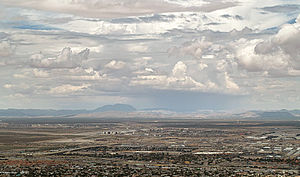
116,107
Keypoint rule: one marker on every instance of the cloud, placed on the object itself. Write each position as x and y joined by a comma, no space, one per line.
6,48
66,59
178,79
202,66
229,83
68,89
20,88
127,51
8,86
236,17
279,55
149,70
179,70
193,48
115,8
181,80
137,48
212,77
115,64
40,73
16,96
87,74
251,61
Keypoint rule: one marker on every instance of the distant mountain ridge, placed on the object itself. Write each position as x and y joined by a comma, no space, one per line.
115,107
38,112
125,110
52,112
270,115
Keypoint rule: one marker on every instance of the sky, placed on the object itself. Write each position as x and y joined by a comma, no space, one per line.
182,55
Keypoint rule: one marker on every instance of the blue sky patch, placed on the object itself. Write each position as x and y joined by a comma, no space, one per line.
35,27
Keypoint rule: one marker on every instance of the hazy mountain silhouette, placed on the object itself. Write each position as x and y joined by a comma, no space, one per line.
125,110
52,112
115,107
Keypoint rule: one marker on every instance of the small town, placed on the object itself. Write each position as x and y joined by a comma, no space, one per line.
152,148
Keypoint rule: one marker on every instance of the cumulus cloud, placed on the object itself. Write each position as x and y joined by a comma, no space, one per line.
88,74
178,79
179,70
230,84
278,55
184,77
275,63
193,48
115,64
66,59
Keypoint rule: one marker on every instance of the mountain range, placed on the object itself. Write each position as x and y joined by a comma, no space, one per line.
128,111
52,112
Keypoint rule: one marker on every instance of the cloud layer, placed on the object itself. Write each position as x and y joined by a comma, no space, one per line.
212,55
117,8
